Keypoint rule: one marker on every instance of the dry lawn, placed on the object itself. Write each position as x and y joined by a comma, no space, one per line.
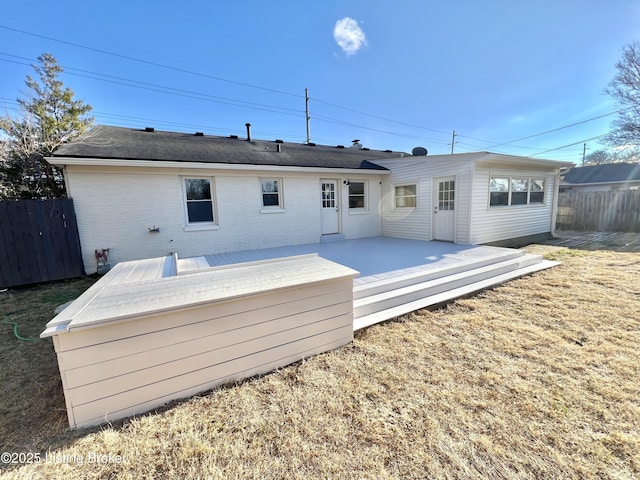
538,378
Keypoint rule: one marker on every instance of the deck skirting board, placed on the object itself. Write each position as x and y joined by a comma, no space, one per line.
240,321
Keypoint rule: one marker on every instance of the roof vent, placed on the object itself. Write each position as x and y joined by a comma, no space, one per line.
366,148
278,147
149,129
388,151
311,144
248,125
199,134
235,137
356,144
339,146
279,141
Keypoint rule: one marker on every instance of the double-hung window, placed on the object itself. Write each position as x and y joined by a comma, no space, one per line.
519,191
199,200
510,191
357,195
271,192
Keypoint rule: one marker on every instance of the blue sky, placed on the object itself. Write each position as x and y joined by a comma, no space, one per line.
394,74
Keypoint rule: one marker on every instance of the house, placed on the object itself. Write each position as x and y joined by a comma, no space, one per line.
204,301
143,193
601,178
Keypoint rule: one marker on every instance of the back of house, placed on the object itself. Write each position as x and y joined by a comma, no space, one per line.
142,193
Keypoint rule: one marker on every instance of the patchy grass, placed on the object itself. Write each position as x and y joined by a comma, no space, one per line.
32,406
537,378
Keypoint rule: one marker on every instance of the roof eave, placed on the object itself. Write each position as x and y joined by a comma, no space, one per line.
588,184
489,157
110,162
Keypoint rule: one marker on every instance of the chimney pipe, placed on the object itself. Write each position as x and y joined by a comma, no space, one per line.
248,125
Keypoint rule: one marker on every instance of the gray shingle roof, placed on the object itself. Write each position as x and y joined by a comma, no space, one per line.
132,144
607,173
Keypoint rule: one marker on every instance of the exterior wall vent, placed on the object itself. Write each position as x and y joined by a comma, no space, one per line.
149,129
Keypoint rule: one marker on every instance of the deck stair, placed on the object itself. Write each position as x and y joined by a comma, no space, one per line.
391,297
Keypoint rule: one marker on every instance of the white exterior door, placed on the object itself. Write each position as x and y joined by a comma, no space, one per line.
330,207
444,208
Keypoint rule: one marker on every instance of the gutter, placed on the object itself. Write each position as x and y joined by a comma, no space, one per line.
106,162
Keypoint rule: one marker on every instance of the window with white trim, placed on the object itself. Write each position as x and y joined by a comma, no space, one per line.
357,195
405,196
198,193
271,191
510,191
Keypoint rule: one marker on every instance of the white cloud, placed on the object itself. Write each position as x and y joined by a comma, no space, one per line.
349,36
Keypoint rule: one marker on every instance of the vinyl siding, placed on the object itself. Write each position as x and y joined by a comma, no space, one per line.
116,206
492,224
416,223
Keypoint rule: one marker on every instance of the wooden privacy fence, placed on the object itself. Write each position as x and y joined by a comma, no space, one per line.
599,211
38,242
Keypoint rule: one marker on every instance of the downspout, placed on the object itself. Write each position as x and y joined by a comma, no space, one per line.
472,183
554,205
65,175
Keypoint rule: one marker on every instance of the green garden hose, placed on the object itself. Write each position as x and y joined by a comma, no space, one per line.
15,332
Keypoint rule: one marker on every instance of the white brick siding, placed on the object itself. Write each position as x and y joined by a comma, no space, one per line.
116,206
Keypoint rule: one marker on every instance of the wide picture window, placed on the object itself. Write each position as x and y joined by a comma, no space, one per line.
513,191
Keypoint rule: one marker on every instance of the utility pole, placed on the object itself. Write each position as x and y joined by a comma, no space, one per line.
306,101
453,141
584,151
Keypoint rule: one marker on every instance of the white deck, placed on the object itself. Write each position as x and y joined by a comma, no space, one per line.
158,329
397,275
376,258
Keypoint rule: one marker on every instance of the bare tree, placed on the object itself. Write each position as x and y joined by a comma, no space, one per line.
49,118
625,89
599,157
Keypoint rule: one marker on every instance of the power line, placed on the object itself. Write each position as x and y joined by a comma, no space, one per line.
559,128
569,145
135,121
164,89
379,117
148,62
199,96
191,72
341,122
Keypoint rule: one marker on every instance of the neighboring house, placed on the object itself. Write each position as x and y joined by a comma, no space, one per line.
601,178
146,193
